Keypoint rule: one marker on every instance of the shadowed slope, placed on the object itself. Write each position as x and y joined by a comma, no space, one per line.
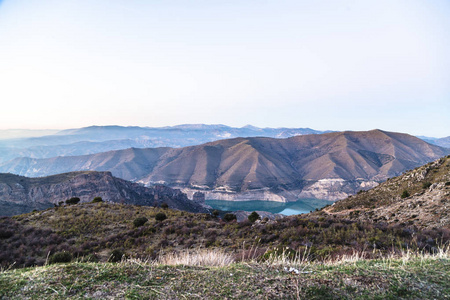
20,194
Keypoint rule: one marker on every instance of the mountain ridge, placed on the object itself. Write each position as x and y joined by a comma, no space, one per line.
19,194
95,139
327,166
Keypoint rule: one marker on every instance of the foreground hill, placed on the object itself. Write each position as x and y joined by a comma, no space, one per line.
20,194
325,166
420,197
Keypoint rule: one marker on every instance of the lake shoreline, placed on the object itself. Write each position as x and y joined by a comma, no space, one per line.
301,206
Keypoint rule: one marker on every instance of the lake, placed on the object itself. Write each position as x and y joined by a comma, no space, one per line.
289,208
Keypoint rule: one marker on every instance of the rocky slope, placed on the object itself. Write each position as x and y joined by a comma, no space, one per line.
326,166
420,197
21,194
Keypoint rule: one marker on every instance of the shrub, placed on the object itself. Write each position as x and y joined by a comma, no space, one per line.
164,205
253,217
60,257
215,213
97,200
229,217
405,194
160,217
280,253
140,221
5,234
73,200
116,255
426,184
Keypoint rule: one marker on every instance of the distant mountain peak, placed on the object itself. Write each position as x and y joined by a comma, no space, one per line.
248,126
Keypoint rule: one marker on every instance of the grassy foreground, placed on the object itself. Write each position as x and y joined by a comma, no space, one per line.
409,277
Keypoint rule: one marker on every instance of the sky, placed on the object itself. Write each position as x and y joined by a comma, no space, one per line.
326,65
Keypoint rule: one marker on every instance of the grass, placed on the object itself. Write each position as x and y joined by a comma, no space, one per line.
199,257
408,276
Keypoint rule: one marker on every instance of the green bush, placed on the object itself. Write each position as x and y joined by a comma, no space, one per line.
73,200
426,184
160,217
140,221
5,234
215,213
116,255
229,217
253,217
97,200
60,257
405,194
164,205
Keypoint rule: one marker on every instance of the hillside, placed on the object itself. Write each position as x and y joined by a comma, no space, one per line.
420,197
95,230
325,166
20,194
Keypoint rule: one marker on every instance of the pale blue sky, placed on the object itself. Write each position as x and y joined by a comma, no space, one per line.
335,65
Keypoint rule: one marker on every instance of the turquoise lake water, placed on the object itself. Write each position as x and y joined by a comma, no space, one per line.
290,208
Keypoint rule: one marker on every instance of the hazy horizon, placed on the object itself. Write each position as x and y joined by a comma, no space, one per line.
56,130
328,65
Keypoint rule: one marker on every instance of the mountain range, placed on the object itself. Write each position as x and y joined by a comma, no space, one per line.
325,166
95,139
443,142
20,194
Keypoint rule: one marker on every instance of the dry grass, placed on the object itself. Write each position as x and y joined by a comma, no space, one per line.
197,257
302,259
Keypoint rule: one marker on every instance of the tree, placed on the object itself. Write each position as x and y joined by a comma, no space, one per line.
160,217
229,217
140,221
253,217
97,200
73,200
405,194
